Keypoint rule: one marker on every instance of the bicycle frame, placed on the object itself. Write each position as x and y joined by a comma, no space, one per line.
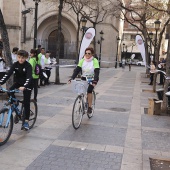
83,101
12,108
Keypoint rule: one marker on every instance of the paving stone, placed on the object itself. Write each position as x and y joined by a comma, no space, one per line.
156,121
48,111
156,140
114,118
63,159
110,105
115,98
96,135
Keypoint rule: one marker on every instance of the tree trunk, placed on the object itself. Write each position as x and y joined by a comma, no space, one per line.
166,84
77,41
57,76
154,82
6,47
94,40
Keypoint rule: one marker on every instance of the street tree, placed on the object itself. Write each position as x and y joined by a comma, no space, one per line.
166,83
141,15
76,7
58,41
6,46
60,8
95,11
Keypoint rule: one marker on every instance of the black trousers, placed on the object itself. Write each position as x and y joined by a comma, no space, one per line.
27,96
151,77
161,78
35,86
90,87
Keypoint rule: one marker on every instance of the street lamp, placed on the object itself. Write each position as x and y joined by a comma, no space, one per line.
157,26
126,51
35,18
83,24
150,39
123,50
100,42
118,39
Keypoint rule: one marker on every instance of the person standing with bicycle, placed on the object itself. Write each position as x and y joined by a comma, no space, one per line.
89,66
22,81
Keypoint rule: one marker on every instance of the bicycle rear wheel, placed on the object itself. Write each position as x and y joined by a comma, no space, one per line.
5,131
33,113
90,115
77,112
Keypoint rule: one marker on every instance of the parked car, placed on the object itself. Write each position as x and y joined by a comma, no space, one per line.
140,63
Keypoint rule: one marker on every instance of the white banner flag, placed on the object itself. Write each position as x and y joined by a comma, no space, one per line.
87,39
141,47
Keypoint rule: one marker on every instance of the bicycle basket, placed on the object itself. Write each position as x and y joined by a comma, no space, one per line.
79,87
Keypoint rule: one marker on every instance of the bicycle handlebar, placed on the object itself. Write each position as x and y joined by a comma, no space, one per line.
12,91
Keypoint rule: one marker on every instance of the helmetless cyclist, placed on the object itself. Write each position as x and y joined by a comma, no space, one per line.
22,80
89,66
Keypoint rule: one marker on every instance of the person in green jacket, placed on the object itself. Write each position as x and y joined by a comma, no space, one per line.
89,66
33,61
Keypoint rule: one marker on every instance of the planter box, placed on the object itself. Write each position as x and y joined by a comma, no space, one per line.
154,106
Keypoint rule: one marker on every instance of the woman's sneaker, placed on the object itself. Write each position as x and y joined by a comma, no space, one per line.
25,126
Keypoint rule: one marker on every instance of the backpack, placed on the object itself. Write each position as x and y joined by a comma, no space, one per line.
37,69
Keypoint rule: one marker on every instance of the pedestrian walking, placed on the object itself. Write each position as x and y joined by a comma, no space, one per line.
123,63
152,72
41,58
47,67
129,63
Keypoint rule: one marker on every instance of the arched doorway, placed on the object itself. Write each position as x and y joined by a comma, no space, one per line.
52,44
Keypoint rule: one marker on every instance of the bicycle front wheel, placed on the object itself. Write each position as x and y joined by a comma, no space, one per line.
77,112
90,115
5,130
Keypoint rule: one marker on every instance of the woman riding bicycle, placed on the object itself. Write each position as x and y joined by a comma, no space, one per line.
89,66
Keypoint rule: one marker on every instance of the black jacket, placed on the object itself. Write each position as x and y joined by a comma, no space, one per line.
22,74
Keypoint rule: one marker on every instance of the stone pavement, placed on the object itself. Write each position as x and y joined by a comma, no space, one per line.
120,136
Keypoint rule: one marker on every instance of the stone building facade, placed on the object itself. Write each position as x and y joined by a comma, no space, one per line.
47,26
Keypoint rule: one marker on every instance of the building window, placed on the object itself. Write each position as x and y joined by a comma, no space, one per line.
150,25
132,37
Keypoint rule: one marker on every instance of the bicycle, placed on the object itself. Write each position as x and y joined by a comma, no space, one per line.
80,105
6,115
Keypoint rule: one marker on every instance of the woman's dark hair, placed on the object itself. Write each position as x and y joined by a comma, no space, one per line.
33,51
22,53
90,49
15,49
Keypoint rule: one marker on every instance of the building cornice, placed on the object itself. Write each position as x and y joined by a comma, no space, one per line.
13,27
